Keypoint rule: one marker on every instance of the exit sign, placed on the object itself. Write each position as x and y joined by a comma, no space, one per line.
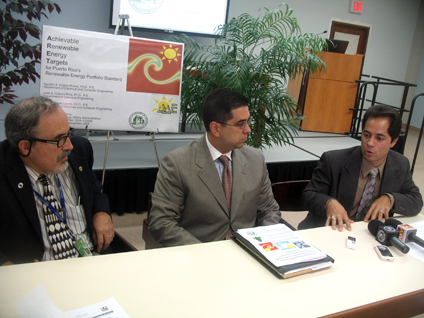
355,6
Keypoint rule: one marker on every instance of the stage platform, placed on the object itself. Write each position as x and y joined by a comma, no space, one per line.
132,165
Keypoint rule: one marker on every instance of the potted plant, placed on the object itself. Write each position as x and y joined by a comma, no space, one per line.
18,57
255,57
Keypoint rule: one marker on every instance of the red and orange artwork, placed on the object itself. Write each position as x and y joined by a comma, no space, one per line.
268,246
154,67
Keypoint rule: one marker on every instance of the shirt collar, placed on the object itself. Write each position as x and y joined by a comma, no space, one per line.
214,152
367,166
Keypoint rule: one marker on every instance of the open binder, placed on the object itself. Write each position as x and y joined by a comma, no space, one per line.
285,271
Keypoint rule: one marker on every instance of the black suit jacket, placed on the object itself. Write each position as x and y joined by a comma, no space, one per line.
20,233
337,175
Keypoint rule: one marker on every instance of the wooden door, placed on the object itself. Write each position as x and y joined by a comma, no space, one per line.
342,31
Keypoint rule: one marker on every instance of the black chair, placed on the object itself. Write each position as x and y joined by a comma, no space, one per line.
288,196
120,244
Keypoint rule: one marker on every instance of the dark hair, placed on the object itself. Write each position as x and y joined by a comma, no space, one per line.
219,104
21,122
385,111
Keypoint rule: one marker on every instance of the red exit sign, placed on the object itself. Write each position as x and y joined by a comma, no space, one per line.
355,6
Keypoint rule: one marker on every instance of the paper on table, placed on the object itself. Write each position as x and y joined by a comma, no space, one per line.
106,309
38,304
415,250
313,268
280,245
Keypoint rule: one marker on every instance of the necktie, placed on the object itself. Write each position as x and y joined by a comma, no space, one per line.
367,195
57,231
227,180
227,184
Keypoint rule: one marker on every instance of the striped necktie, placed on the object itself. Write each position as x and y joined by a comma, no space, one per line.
58,232
367,195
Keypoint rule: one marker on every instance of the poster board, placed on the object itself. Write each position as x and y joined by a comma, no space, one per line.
112,82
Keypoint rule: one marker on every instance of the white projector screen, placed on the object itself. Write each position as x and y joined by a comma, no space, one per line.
184,16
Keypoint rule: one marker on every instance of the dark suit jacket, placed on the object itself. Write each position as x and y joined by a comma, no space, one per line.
20,233
189,205
337,175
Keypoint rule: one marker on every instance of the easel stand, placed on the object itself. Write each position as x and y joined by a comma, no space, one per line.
122,19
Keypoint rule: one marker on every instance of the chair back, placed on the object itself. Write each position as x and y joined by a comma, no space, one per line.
288,194
120,244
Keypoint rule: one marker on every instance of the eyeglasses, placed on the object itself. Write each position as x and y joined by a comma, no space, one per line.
60,142
241,126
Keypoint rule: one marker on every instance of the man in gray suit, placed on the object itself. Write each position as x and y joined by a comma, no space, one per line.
337,192
189,204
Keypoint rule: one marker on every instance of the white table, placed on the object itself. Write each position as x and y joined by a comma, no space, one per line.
221,280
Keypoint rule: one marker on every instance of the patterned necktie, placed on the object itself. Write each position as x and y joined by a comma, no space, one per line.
227,179
367,195
227,184
57,231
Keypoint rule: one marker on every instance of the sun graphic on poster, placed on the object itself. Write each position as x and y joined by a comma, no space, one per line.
170,54
164,106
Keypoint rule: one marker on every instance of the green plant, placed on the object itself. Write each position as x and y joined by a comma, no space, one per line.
255,57
17,57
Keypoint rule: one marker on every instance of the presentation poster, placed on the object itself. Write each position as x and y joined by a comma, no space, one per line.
112,82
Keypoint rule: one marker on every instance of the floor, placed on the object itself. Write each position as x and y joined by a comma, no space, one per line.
130,225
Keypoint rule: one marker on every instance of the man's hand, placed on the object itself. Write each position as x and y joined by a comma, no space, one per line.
7,263
379,209
336,214
103,230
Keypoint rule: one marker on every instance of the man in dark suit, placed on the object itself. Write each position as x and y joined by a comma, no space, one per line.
189,204
337,193
39,144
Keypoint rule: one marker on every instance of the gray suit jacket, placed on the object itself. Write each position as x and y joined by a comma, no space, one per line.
189,206
337,175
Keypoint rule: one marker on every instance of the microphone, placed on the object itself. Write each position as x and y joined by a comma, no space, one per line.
406,232
322,32
387,235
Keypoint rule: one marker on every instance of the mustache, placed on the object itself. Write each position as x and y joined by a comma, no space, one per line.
63,155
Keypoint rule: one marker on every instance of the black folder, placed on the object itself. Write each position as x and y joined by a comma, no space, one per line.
281,271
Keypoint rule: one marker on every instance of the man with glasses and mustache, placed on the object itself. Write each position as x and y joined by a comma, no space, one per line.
51,204
215,184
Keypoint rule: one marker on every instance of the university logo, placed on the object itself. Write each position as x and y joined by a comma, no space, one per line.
145,6
138,120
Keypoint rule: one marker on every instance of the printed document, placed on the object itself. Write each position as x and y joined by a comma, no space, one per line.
280,245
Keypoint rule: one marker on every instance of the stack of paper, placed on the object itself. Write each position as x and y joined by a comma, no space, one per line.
282,250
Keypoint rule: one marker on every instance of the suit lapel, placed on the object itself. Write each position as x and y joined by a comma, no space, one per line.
239,181
390,173
21,186
348,182
209,175
79,167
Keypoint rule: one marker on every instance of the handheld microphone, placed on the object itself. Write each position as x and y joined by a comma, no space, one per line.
406,232
387,235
